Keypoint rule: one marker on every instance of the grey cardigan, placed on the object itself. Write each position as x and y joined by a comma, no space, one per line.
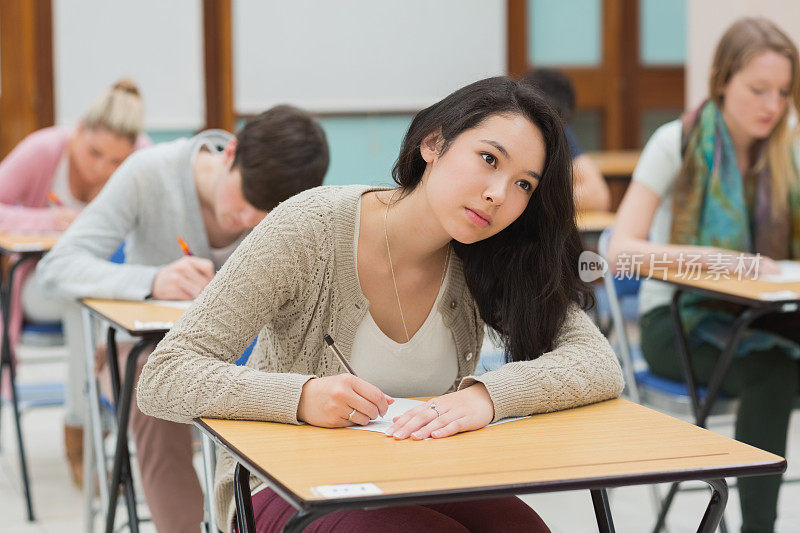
293,279
149,201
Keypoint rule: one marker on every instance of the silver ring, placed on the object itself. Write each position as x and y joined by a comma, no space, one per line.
350,416
433,406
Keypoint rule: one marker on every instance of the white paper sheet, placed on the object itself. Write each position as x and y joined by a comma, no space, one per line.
177,304
790,271
400,406
151,326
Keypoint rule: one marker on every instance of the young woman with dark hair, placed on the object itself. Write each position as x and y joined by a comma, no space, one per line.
480,230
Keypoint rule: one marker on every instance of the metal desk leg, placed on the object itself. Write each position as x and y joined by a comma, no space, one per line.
741,324
716,507
666,503
602,511
94,436
208,478
90,483
244,500
6,359
121,473
701,407
299,521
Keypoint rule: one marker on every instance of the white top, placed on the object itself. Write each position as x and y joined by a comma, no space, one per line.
60,185
426,365
220,255
657,170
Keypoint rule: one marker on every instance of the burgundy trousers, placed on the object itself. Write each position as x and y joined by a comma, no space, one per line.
506,515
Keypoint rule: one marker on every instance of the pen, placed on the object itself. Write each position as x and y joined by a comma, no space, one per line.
184,246
338,354
332,345
54,199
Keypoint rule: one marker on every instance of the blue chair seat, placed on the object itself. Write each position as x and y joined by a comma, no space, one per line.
42,334
645,378
42,394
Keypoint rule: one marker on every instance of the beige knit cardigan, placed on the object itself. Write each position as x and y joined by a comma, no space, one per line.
292,280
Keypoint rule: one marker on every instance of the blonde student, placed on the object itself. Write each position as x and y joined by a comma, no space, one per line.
480,228
722,182
44,183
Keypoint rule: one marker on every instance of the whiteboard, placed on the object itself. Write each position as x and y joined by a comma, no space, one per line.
363,55
157,43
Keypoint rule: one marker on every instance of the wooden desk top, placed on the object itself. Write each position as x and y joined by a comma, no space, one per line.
616,163
595,221
27,242
744,291
606,444
124,314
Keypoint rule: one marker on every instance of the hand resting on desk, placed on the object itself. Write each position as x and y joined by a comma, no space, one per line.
465,410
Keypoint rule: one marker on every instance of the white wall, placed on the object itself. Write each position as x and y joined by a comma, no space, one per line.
158,43
363,55
708,20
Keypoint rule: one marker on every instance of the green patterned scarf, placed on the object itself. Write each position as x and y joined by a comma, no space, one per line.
714,206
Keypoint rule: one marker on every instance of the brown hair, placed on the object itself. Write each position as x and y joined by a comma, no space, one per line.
281,152
745,39
118,110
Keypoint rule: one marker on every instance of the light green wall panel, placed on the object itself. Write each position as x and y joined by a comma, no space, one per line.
161,136
363,148
565,32
662,36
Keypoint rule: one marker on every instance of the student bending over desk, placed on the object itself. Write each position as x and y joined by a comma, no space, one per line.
480,228
210,190
44,183
591,189
724,177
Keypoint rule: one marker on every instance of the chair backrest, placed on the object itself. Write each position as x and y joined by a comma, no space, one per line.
617,319
661,393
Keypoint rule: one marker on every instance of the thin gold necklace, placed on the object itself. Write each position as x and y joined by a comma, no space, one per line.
391,266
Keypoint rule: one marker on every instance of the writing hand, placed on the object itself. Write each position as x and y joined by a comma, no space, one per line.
328,402
64,216
183,279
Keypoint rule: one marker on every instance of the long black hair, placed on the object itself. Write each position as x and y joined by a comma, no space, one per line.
524,277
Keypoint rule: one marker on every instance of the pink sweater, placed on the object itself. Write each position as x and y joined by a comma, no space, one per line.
26,176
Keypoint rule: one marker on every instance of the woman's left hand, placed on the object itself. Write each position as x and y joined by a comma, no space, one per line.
465,410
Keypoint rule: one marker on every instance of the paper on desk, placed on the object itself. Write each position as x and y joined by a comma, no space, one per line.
177,304
790,271
777,296
154,325
28,247
400,406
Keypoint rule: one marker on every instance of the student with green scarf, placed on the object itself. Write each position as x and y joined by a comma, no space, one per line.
723,179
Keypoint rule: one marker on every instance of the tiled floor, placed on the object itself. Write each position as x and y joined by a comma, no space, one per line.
59,505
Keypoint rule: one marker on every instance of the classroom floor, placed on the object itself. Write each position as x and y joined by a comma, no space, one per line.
59,505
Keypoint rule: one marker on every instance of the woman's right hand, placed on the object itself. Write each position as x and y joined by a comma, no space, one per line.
327,402
183,279
740,262
64,216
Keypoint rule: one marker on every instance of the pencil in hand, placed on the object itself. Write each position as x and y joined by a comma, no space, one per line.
54,199
184,246
332,345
